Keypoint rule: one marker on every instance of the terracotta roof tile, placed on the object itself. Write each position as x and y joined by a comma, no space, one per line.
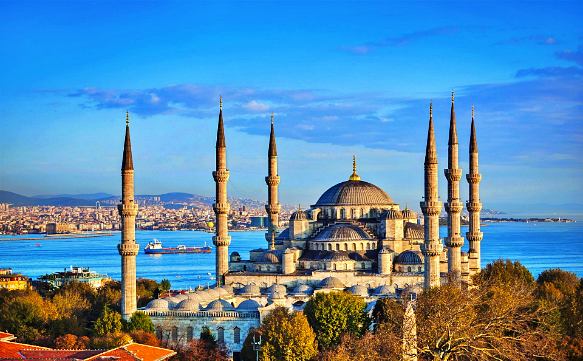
11,350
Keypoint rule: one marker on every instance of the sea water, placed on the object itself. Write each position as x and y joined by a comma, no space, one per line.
538,246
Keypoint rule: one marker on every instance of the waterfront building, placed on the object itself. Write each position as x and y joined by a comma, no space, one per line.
75,274
13,281
354,238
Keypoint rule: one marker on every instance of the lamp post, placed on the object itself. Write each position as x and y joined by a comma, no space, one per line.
256,346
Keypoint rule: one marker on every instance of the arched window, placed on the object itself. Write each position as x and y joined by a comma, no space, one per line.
237,335
368,246
419,268
362,213
174,334
189,333
334,266
362,246
329,246
220,335
409,269
354,246
337,247
363,265
342,213
346,266
346,246
159,332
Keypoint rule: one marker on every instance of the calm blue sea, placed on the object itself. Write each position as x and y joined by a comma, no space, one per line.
539,246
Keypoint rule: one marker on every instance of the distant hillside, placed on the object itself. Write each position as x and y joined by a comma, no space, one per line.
20,200
88,196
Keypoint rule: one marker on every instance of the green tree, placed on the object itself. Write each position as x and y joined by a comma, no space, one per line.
335,313
25,314
111,340
109,322
389,313
505,273
285,336
139,321
165,285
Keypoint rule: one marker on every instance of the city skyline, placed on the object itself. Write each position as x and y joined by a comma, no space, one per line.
362,88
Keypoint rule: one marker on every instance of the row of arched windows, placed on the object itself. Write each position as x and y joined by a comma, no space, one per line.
190,334
327,246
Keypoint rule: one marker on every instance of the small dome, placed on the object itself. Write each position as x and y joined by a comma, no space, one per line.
204,296
342,232
213,293
409,257
219,305
384,290
331,282
172,301
409,214
276,295
158,304
276,288
302,290
181,297
235,257
248,305
298,215
250,290
270,257
391,214
226,290
358,290
188,305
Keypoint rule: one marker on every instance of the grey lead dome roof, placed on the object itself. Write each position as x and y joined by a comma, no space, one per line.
342,232
354,193
409,257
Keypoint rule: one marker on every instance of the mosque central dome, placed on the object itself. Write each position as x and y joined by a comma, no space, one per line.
354,193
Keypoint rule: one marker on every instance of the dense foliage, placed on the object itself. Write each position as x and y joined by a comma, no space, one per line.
76,315
333,314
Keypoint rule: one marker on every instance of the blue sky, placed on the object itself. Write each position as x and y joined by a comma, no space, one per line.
343,78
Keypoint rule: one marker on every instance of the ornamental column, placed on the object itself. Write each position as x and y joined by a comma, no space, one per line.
431,207
221,240
453,173
128,248
474,205
272,181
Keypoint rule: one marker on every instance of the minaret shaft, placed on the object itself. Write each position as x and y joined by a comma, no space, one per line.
272,180
474,204
221,240
453,206
431,207
128,248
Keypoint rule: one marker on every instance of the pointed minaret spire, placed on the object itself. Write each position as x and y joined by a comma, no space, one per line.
354,176
272,180
128,248
431,207
474,204
221,240
454,206
127,162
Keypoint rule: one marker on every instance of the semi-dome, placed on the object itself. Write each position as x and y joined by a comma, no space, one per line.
188,305
219,305
158,304
384,290
298,215
358,290
342,232
409,257
302,290
354,193
250,290
248,305
331,282
392,214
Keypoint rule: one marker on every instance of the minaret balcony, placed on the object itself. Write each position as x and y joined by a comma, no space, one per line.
474,178
431,208
453,175
474,236
221,208
222,241
432,248
128,209
221,175
454,241
454,207
272,180
473,206
273,208
128,249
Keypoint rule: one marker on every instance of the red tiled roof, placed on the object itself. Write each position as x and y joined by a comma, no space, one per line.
5,336
129,352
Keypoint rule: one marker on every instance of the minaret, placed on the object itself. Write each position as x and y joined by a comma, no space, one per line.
453,173
221,206
272,181
474,205
128,248
431,207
